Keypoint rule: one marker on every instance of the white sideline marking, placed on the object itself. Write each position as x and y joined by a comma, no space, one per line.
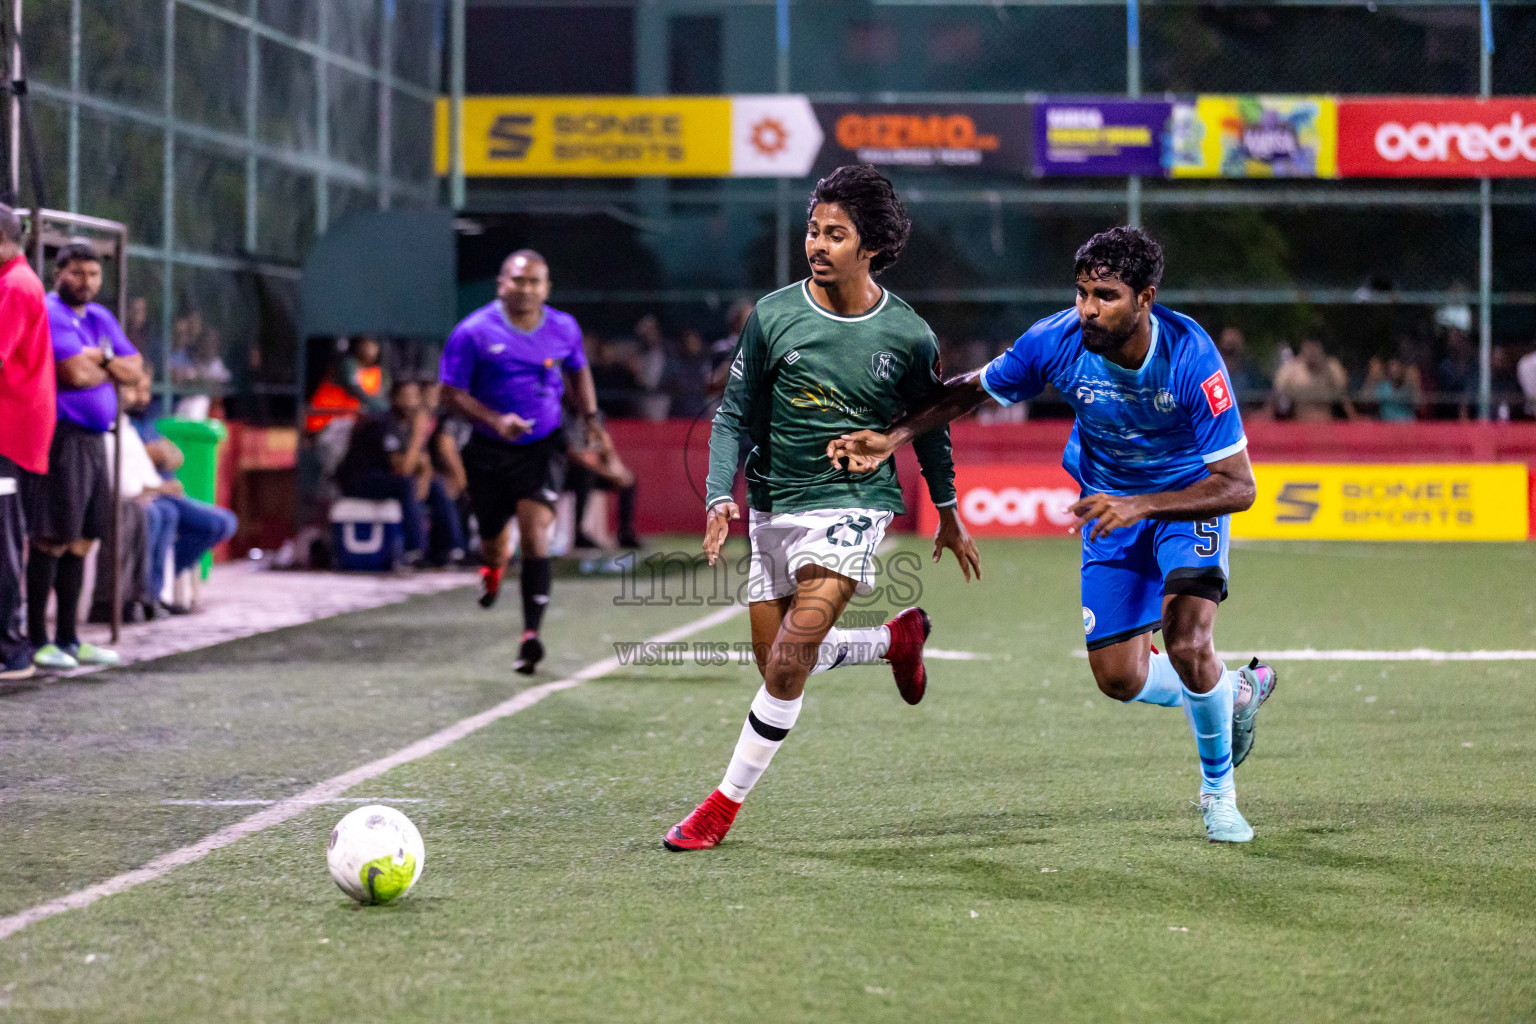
332,788
1414,654
269,803
939,654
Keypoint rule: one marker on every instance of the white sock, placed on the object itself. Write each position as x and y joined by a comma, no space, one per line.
1163,686
768,723
844,647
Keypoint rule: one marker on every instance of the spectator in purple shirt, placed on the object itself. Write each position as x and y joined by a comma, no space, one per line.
504,369
67,508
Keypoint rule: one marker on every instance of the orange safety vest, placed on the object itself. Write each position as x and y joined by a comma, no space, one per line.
331,399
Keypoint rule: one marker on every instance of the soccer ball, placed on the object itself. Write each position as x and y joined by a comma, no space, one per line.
375,854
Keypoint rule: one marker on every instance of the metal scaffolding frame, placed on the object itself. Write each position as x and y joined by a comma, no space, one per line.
1134,198
325,166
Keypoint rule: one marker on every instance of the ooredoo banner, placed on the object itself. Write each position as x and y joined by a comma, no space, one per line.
1003,500
946,136
1433,138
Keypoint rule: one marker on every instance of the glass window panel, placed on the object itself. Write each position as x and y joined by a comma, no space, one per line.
412,139
285,212
50,123
353,29
122,174
211,62
1309,49
1514,42
295,17
286,105
214,331
45,36
418,42
354,119
122,50
210,198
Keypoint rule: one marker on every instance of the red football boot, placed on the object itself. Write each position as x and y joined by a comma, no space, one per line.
705,827
909,631
490,584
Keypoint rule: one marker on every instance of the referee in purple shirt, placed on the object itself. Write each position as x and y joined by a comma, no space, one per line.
505,368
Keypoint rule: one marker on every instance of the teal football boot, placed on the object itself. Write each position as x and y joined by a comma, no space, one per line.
1261,678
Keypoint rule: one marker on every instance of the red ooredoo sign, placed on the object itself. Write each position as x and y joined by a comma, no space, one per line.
1408,138
1004,500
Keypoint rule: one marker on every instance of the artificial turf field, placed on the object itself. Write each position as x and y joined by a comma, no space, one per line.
1016,848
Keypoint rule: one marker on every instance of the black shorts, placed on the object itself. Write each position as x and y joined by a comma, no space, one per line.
71,501
500,475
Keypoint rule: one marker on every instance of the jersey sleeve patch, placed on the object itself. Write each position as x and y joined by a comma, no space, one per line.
1217,395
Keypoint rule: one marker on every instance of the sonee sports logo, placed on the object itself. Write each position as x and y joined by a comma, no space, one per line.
509,136
1297,502
1217,395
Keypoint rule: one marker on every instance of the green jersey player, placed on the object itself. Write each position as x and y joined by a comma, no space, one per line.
832,354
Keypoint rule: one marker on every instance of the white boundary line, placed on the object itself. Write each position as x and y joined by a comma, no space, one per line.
1413,654
332,788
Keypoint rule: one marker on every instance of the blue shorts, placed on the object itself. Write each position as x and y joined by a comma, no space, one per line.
1127,572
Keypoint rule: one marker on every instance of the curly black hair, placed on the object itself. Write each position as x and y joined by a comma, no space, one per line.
870,200
1130,254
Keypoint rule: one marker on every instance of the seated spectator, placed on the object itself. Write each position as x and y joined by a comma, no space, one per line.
1393,387
358,382
183,527
1525,373
145,529
1247,380
1313,383
1456,377
686,378
598,467
387,458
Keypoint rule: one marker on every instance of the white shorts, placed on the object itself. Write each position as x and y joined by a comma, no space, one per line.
842,539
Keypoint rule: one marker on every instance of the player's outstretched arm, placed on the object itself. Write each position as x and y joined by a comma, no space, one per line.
953,535
865,450
1230,488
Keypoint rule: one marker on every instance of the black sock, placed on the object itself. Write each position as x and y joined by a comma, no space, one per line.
40,570
535,582
627,511
68,584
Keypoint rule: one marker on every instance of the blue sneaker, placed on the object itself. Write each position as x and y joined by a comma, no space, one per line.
1261,679
1224,823
19,667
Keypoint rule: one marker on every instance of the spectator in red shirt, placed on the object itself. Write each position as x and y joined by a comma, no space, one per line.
27,410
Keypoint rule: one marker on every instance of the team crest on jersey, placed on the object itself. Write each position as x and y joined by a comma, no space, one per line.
1164,401
1217,395
882,364
793,357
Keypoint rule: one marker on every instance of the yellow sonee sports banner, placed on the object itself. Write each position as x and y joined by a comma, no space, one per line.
591,136
1389,501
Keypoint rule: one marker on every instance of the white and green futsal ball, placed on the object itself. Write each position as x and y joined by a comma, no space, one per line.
375,854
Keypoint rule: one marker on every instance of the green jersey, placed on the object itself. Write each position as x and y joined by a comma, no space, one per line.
802,376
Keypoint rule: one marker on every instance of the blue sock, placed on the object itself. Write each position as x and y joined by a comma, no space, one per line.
1210,719
1163,686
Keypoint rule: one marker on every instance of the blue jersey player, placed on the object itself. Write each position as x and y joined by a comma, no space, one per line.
1159,452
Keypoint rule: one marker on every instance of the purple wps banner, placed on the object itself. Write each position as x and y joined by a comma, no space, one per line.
1090,136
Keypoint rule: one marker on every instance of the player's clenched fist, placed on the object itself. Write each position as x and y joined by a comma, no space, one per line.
864,451
1111,511
717,524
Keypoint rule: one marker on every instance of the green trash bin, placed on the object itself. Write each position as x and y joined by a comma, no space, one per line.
199,442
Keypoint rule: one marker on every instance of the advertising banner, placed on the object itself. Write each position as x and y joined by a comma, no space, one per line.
1010,501
1433,138
980,136
1406,501
1255,137
1095,136
633,136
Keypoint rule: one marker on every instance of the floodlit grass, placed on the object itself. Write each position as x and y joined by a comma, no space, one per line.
1016,848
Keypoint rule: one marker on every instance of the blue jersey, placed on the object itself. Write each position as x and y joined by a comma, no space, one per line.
1138,431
